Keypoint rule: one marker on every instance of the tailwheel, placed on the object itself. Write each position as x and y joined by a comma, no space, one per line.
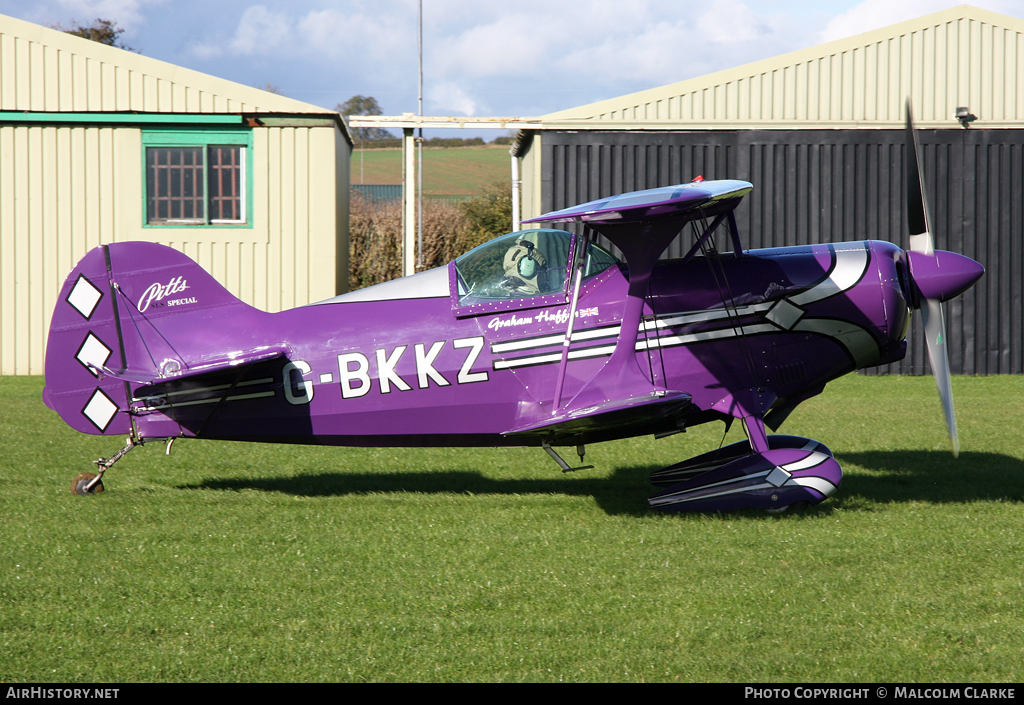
80,485
87,483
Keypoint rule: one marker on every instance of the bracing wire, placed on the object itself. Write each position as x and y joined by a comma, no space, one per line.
728,301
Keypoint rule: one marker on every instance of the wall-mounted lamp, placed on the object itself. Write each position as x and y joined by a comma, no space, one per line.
965,117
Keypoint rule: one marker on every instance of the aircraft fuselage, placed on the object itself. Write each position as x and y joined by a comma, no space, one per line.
795,319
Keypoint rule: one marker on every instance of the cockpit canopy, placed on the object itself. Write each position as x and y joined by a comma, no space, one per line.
523,264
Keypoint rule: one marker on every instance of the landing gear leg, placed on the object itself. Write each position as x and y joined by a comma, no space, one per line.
580,450
88,483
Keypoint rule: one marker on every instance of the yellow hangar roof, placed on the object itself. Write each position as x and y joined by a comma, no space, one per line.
963,56
46,70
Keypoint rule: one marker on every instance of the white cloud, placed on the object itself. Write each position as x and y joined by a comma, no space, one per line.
642,44
731,22
356,38
449,98
720,35
874,14
260,30
515,44
325,40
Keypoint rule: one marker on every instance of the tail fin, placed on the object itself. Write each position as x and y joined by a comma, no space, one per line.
133,311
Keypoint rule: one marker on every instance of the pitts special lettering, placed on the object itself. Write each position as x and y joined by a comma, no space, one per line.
354,368
158,292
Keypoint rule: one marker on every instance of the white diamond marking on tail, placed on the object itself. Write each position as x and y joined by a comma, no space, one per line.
100,410
93,351
84,297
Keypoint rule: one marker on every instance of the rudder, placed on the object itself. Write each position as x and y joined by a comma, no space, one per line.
113,312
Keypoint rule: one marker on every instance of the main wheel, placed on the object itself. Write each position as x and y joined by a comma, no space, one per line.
78,485
795,507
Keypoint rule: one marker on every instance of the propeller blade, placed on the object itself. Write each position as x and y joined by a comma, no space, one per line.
935,337
919,222
917,205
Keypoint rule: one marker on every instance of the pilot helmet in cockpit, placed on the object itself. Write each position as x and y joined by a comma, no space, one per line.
524,265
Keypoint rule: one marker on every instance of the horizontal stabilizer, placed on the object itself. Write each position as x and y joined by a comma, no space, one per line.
614,413
196,368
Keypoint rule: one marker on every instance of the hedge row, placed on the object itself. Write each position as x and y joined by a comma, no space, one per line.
449,230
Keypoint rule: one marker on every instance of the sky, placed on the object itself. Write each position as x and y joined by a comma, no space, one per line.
480,57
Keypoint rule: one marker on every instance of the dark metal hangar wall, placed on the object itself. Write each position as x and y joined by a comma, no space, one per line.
815,186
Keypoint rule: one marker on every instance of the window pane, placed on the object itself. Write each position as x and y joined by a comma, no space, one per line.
225,183
515,266
174,184
598,260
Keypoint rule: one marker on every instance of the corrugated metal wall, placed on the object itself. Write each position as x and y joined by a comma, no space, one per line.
64,190
832,185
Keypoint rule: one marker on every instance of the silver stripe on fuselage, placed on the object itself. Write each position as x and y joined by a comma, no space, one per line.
202,390
210,400
207,399
815,483
850,266
549,340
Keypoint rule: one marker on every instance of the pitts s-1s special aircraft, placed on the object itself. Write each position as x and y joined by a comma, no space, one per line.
540,337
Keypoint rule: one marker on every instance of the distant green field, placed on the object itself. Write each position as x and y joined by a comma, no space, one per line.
446,172
245,562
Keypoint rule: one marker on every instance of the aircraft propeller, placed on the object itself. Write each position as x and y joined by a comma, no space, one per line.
937,276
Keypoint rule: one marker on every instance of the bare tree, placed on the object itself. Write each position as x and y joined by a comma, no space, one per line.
364,105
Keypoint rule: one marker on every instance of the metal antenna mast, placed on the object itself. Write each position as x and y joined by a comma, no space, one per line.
419,151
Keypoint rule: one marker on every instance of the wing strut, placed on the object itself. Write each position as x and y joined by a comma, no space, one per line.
579,258
704,238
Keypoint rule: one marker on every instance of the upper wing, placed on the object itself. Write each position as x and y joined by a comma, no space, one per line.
682,201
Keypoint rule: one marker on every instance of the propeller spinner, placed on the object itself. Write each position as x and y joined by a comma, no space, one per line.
937,276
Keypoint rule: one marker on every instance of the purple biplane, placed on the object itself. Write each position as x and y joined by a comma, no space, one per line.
540,337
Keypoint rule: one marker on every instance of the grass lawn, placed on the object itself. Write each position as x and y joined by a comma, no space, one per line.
446,172
241,562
